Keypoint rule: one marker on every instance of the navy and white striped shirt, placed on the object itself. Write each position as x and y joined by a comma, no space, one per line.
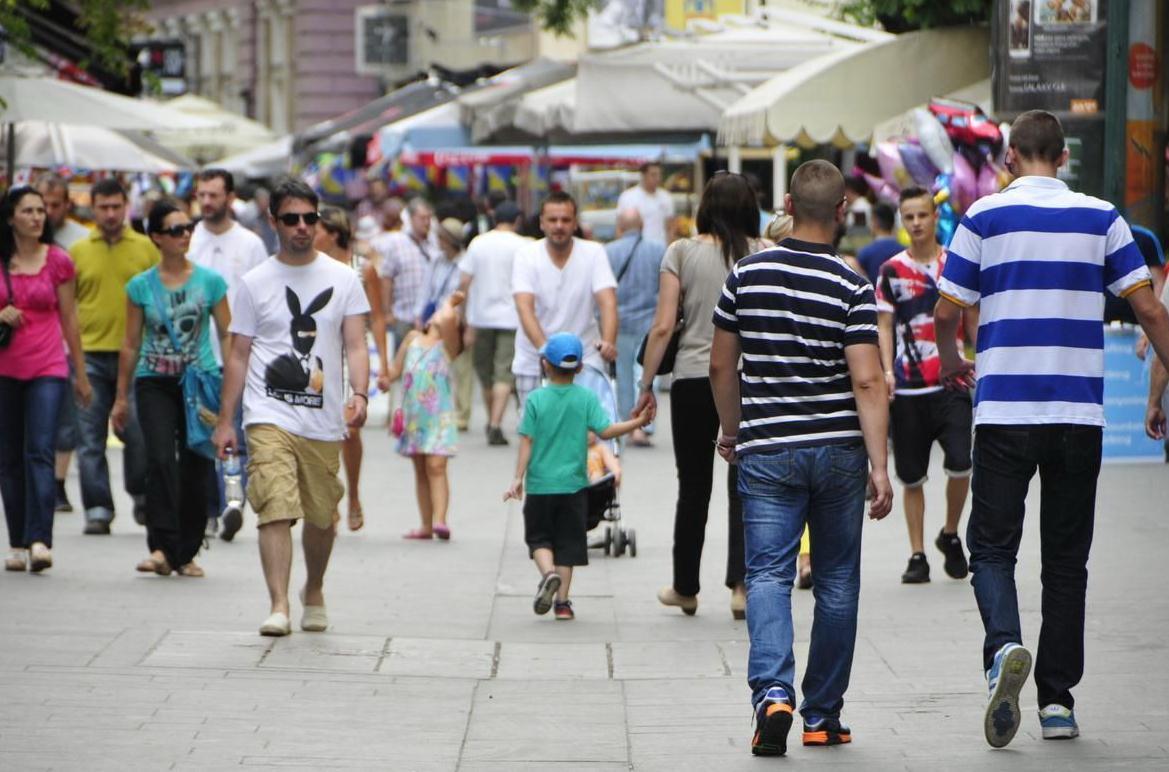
795,307
1037,258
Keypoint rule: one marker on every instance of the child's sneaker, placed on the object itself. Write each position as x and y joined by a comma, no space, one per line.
546,592
773,720
564,610
825,731
1008,672
1058,723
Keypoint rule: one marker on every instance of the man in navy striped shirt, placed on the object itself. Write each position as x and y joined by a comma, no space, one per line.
1037,258
805,419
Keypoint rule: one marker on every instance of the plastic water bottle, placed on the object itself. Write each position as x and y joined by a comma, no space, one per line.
233,487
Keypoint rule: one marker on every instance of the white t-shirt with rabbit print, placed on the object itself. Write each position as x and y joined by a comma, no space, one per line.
293,315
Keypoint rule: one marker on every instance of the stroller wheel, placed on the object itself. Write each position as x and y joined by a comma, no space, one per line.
608,544
631,542
619,542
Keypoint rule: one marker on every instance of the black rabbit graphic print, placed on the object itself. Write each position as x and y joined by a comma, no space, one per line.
298,377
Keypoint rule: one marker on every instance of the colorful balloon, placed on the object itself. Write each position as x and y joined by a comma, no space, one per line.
892,169
917,163
934,141
963,184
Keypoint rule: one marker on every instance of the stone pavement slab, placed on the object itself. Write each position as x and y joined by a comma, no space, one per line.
434,660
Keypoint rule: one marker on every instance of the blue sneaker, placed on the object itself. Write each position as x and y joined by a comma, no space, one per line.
1008,672
826,731
773,720
1058,723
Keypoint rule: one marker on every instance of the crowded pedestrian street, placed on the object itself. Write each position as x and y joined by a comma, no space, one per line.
434,661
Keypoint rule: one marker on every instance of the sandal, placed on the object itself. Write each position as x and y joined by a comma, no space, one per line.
418,533
356,517
442,532
192,569
154,565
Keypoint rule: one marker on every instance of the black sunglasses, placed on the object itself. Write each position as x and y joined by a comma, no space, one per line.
177,231
291,219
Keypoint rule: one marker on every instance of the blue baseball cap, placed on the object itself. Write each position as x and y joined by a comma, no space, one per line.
563,350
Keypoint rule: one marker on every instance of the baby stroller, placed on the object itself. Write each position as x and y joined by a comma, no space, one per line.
603,504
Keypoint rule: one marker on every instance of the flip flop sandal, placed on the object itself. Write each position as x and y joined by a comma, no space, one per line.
442,532
418,534
356,518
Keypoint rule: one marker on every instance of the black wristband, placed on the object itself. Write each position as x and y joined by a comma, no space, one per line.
362,395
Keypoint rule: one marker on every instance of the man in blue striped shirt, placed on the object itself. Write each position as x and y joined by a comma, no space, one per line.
1037,258
806,418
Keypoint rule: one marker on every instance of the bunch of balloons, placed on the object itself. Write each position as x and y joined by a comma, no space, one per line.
957,154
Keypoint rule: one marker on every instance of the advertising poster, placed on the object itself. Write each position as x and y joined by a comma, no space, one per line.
1049,55
1126,389
1145,130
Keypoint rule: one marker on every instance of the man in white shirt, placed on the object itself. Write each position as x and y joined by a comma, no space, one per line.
294,318
491,311
231,250
66,232
561,284
653,204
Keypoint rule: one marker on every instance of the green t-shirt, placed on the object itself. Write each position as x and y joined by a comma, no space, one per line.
558,419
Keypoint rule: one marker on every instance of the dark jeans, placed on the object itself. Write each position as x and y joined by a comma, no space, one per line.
67,430
176,477
1005,459
94,422
694,421
28,427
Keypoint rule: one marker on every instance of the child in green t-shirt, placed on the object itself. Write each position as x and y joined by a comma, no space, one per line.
553,454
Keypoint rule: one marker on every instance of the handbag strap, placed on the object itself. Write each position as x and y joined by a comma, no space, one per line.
8,283
629,260
156,289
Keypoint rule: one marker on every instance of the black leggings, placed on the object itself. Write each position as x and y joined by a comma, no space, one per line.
694,421
176,477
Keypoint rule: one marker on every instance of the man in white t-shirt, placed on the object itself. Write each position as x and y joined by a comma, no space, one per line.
491,311
231,250
653,204
294,315
561,284
66,232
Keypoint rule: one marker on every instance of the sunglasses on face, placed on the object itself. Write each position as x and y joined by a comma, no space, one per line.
292,218
177,231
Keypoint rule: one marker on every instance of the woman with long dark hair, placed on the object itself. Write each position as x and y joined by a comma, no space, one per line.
692,277
38,316
169,309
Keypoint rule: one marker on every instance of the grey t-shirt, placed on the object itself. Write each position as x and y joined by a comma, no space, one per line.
701,270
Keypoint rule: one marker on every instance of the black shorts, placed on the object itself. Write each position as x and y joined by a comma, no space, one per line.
916,421
556,521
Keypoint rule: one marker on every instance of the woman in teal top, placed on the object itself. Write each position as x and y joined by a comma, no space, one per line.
190,296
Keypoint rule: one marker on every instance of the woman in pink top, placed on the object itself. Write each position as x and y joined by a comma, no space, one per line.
38,309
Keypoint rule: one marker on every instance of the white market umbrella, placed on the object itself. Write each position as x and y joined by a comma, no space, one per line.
270,160
231,133
40,144
25,98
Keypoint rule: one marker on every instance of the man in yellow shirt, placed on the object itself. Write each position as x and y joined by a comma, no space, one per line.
106,260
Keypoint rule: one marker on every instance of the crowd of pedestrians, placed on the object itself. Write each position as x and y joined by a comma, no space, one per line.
797,364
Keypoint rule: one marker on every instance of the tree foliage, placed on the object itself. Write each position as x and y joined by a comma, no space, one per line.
905,15
557,16
106,27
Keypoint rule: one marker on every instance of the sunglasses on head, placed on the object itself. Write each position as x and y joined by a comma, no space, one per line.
177,231
290,219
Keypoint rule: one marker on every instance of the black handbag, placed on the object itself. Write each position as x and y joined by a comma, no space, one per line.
6,330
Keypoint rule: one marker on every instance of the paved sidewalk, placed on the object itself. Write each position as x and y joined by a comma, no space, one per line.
434,660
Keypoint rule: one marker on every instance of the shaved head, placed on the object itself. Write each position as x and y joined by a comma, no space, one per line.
628,220
817,189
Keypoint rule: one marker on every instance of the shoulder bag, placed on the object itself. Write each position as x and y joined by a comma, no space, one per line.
200,387
671,353
6,330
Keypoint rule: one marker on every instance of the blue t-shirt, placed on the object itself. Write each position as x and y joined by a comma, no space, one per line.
189,308
558,418
874,254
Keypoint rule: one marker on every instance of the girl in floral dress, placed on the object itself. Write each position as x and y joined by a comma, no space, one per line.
428,420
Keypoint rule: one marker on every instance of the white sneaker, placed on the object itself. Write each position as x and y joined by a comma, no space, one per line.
1058,723
276,625
1006,677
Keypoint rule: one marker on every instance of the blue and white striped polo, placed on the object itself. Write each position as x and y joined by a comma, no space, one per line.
1037,258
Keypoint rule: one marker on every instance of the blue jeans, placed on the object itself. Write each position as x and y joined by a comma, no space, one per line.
822,486
28,427
94,421
628,374
1067,458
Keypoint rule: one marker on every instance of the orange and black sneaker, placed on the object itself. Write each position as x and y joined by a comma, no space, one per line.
826,731
773,720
